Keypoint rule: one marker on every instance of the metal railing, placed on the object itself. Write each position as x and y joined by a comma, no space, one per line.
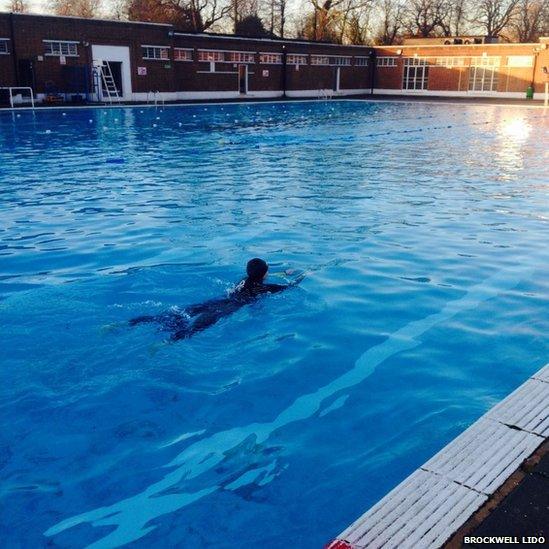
325,94
12,88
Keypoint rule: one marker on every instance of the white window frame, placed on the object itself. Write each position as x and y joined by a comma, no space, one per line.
362,61
330,60
188,54
4,46
484,71
320,60
211,56
240,57
147,48
296,59
520,61
386,61
268,58
340,60
450,62
415,76
62,44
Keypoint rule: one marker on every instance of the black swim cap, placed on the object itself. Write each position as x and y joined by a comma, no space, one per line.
257,268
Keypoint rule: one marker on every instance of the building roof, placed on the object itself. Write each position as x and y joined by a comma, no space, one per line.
83,18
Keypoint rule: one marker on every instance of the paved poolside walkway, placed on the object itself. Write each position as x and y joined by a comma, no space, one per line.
519,509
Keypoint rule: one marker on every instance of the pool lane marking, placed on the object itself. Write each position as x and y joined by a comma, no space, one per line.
132,514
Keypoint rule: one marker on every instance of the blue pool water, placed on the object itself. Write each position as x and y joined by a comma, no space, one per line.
425,230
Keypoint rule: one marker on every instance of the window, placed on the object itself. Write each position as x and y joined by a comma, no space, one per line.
483,74
450,62
341,61
296,59
320,60
58,48
181,54
270,58
361,61
240,57
520,61
209,55
155,52
4,46
416,74
386,61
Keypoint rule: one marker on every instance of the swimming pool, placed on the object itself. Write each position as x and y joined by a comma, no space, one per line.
425,230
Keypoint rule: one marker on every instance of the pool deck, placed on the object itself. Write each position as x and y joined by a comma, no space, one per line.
519,508
524,103
491,480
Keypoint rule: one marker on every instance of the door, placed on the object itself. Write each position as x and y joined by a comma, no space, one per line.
118,58
416,74
25,68
116,71
483,74
243,79
337,75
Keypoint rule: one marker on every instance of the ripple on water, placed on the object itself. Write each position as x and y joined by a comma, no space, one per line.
425,302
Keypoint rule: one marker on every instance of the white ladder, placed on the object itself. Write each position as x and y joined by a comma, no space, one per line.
108,85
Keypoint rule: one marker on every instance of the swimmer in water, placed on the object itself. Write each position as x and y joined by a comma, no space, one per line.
196,318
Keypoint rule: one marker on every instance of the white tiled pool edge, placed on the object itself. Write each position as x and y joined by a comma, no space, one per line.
434,501
400,99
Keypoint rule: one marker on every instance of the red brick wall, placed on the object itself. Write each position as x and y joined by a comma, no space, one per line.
7,73
174,76
29,33
511,79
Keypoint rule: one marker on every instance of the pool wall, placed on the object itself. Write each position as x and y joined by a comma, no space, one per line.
154,62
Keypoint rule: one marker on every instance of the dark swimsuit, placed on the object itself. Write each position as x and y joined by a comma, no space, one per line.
196,318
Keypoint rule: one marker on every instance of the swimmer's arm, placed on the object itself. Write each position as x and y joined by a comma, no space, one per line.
274,288
298,279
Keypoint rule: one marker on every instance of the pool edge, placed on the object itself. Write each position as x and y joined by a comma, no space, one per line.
429,100
431,505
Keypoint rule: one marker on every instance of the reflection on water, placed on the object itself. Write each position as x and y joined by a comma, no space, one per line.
513,133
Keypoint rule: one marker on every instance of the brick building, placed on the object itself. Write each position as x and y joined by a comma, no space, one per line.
64,57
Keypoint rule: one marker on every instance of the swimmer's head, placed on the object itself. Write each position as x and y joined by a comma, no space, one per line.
256,269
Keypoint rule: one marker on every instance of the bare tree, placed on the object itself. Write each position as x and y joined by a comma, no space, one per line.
531,21
205,14
424,17
389,26
282,11
18,6
186,15
453,20
351,22
118,10
493,16
76,8
241,9
326,14
356,30
275,16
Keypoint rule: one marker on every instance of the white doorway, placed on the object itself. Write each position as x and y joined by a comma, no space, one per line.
116,56
337,77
